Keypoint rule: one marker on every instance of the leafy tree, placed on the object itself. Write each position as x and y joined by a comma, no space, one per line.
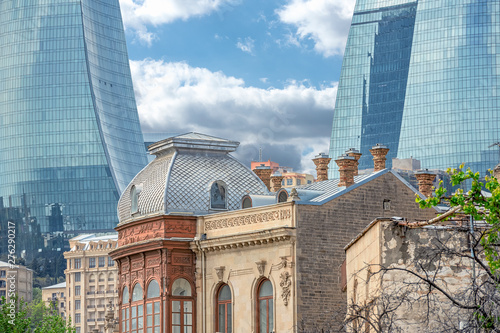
17,317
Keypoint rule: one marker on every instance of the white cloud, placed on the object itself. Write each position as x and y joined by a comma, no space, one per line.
175,97
246,45
326,22
139,14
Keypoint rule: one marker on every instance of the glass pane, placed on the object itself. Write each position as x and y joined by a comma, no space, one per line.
176,306
225,293
157,307
176,318
263,316
149,320
157,330
176,329
139,310
140,322
149,308
134,323
153,289
125,295
137,293
157,319
229,319
188,319
266,289
149,330
188,329
181,287
134,311
140,331
271,315
188,306
222,318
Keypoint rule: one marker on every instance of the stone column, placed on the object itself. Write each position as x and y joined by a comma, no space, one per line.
425,179
379,152
264,173
346,165
357,155
321,161
276,180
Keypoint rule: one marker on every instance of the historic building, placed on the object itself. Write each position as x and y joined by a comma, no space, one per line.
91,280
17,279
204,246
421,77
70,138
55,298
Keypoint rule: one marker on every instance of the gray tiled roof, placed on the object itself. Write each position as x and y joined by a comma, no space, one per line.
179,179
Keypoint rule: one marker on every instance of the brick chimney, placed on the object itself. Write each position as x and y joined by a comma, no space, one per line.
357,155
379,151
346,165
276,179
321,161
264,173
425,179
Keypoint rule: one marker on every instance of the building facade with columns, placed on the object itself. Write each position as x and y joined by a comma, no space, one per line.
91,280
205,246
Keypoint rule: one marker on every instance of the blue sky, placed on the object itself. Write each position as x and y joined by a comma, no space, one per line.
261,72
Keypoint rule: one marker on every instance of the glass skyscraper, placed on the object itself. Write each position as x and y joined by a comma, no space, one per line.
421,77
70,138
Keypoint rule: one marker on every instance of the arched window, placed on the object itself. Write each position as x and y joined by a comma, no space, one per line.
125,295
153,307
218,193
224,310
153,289
265,310
125,311
246,203
283,196
182,307
137,310
134,200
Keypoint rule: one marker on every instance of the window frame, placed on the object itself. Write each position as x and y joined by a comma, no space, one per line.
258,307
226,304
182,313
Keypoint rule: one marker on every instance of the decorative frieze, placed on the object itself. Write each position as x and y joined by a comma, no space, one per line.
263,217
285,284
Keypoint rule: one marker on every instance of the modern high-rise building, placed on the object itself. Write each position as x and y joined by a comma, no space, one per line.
421,77
70,138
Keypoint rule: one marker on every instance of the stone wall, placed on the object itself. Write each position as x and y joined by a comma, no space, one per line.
324,231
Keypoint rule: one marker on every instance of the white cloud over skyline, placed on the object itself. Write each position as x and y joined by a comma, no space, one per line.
246,45
139,14
325,22
291,124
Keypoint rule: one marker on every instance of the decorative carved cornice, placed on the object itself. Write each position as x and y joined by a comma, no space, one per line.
279,214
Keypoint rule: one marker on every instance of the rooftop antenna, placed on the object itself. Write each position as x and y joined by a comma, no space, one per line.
496,144
260,153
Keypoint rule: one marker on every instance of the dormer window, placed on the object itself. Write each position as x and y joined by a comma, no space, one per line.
218,195
134,198
282,195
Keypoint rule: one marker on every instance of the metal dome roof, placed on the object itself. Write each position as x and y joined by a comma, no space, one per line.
179,179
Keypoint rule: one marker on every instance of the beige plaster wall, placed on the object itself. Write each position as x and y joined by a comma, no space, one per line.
242,275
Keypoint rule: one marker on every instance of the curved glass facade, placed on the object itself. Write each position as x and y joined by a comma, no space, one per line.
70,138
421,77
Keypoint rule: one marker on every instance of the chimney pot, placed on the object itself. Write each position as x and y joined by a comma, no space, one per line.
357,155
276,179
346,165
264,173
321,161
379,151
425,179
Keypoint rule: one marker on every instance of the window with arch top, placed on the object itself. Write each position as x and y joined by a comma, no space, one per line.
153,321
182,309
265,307
218,195
125,311
137,310
224,310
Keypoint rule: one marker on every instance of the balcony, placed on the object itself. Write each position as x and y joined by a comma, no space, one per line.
90,320
100,292
90,292
100,306
90,306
